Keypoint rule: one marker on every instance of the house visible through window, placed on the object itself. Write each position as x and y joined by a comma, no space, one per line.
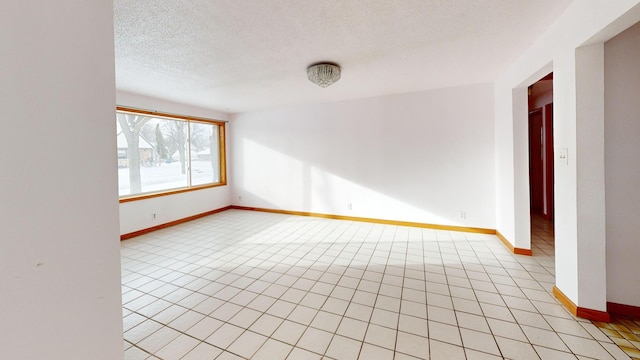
162,153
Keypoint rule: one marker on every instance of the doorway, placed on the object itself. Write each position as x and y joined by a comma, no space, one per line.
541,189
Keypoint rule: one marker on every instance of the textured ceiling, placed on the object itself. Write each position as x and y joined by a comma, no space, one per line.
240,55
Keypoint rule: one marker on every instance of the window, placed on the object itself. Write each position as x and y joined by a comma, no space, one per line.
163,154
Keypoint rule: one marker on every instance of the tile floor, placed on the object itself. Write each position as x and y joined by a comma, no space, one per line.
625,332
251,285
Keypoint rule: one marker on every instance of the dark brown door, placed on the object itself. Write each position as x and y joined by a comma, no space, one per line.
536,162
548,161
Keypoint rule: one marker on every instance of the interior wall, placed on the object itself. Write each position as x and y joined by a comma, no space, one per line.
622,166
59,247
423,157
581,24
136,215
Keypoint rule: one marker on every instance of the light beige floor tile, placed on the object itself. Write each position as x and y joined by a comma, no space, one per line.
414,345
413,325
479,341
315,340
413,309
281,309
343,348
302,354
158,339
208,306
445,333
439,300
186,320
247,344
551,354
314,301
266,324
226,311
497,312
243,298
478,355
359,312
516,350
289,332
443,351
169,314
489,298
177,348
302,315
473,322
617,352
401,356
544,338
293,295
335,306
204,328
273,350
132,320
370,351
352,328
468,306
228,356
154,308
245,317
530,319
506,329
202,351
585,347
381,336
384,318
135,353
326,321
567,326
224,336
442,315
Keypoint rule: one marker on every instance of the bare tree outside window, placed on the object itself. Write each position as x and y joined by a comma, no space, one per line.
177,136
131,125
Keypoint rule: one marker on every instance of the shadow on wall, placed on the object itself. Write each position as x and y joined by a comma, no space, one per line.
308,187
425,157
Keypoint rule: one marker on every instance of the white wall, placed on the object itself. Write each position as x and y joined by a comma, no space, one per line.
420,157
136,215
59,247
583,23
622,163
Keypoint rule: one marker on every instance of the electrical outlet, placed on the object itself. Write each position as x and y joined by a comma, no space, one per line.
350,206
463,215
154,216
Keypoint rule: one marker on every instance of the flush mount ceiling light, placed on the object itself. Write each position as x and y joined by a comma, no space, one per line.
323,74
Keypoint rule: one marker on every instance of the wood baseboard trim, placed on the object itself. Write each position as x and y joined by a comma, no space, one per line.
595,315
622,309
515,250
578,311
371,220
171,223
564,300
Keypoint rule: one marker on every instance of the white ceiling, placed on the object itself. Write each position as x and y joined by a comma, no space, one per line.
241,55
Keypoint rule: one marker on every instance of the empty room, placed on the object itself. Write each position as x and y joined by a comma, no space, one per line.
320,180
